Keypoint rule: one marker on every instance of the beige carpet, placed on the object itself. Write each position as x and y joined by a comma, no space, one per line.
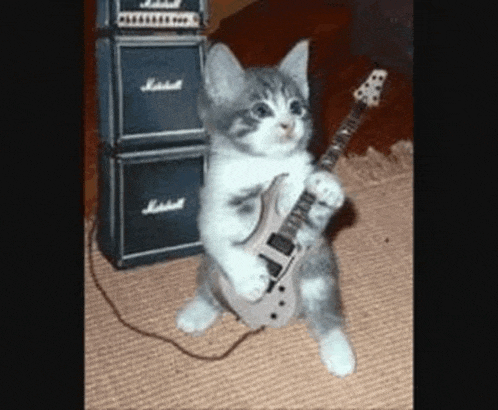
278,368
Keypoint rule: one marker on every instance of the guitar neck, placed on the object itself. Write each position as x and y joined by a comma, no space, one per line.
342,136
299,212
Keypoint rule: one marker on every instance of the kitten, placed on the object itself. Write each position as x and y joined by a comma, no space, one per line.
259,124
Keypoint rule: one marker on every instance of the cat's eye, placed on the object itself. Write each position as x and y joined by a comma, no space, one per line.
296,108
261,110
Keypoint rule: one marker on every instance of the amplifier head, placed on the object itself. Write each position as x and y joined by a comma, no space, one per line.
151,14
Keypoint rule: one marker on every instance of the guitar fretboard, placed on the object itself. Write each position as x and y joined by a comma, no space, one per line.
293,222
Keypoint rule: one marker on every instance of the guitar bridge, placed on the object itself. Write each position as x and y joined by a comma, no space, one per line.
281,244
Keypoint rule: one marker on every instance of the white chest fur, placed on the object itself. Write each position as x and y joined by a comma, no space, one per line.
233,175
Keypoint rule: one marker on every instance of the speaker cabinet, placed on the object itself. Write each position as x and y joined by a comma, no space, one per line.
152,14
148,205
148,90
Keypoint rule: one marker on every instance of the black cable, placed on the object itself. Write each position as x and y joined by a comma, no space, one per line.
151,334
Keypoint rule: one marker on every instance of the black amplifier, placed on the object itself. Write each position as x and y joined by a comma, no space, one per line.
148,88
148,204
152,14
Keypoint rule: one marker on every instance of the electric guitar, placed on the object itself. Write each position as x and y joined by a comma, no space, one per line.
274,237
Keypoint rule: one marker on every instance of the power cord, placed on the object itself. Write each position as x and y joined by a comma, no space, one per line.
152,334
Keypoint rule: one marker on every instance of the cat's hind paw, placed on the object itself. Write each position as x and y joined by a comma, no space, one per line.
196,316
336,354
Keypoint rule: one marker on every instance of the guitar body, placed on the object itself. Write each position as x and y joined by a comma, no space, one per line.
278,304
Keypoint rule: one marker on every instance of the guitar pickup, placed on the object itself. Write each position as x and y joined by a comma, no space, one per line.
271,286
281,244
274,268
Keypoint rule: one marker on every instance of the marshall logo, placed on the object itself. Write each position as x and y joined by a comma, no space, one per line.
154,208
160,4
153,85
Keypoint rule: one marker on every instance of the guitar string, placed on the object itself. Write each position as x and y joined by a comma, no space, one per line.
347,128
153,335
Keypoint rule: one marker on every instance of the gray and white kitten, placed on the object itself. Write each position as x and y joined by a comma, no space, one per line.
259,124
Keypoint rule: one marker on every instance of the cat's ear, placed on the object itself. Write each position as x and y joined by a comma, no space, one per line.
295,65
223,74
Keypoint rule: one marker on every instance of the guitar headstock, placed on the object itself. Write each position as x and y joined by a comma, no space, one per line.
369,92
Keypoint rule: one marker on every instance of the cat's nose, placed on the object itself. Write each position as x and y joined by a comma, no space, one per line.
287,125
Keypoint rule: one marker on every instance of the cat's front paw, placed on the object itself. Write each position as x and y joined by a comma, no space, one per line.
336,354
251,280
327,189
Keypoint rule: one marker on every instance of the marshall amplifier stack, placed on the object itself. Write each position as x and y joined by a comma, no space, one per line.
153,150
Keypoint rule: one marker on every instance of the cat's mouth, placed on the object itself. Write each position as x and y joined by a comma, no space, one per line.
287,137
